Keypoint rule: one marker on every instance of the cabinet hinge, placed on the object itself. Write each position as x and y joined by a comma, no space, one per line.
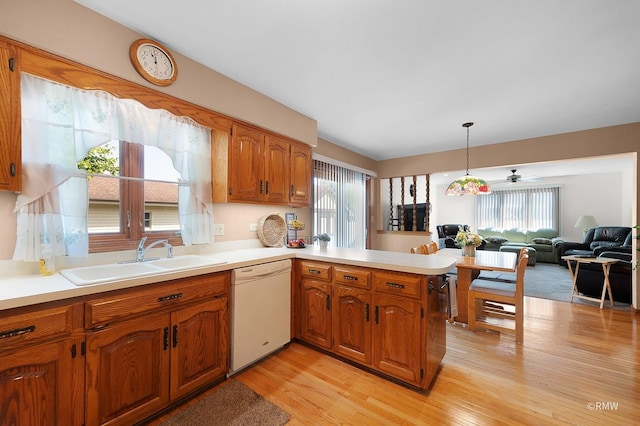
11,64
421,312
73,350
83,349
231,131
229,190
422,373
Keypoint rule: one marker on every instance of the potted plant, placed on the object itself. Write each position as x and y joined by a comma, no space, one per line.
323,239
468,241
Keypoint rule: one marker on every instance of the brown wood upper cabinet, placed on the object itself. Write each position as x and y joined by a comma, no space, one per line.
260,168
10,145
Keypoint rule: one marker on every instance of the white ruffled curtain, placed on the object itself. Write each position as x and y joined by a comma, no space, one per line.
59,126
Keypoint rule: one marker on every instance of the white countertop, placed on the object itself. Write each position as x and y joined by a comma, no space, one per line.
33,289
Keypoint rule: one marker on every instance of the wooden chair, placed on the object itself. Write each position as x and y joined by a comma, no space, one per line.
499,302
509,277
421,249
428,248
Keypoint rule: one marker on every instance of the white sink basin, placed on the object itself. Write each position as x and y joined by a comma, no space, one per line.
88,275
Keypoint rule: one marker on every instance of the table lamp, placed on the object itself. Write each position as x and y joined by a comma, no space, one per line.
586,222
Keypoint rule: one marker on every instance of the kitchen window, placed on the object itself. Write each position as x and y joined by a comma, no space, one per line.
144,185
60,124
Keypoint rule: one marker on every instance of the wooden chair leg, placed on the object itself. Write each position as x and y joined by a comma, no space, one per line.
519,324
472,314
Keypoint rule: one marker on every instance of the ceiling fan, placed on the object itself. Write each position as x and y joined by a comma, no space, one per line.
514,178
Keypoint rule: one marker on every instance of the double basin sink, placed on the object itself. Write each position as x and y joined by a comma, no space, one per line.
88,275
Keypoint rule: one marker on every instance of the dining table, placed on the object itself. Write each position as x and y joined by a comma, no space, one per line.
469,267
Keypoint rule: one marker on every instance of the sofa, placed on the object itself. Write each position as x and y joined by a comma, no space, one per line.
596,240
591,278
544,241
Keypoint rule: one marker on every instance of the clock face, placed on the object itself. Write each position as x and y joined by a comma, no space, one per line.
153,62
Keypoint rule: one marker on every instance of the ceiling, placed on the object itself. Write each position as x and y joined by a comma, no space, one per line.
392,78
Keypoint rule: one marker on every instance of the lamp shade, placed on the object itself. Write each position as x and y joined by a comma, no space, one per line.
586,222
468,185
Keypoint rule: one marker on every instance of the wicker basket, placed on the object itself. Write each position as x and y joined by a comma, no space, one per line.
272,230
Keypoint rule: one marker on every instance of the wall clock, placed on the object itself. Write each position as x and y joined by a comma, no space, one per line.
153,62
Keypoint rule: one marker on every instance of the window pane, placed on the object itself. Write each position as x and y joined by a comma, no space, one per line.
160,198
102,165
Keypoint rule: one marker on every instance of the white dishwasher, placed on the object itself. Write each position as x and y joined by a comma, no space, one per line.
260,312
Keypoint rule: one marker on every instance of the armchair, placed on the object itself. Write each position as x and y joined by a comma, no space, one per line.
447,234
597,240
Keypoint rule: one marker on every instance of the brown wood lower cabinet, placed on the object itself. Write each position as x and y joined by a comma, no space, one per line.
177,344
130,354
388,321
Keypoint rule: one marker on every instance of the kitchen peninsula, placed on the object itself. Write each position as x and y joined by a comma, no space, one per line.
380,310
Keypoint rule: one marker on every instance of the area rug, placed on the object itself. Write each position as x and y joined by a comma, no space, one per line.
233,403
553,281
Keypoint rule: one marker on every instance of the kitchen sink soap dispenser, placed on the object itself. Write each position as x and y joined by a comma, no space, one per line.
47,263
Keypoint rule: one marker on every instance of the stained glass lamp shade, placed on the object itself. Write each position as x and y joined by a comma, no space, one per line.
468,185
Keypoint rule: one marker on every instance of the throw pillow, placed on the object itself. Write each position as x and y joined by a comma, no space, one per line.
542,241
496,240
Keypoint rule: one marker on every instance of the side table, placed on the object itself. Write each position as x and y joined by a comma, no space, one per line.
606,286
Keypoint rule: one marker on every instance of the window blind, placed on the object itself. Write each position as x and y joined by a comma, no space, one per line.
528,208
339,204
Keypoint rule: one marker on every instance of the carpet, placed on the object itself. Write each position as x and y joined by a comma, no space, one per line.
553,281
233,403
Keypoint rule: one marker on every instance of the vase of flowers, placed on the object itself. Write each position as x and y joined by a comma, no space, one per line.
468,241
322,239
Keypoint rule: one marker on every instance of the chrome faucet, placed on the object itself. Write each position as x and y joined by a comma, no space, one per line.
141,251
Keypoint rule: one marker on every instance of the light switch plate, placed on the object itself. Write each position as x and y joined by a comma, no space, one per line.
253,227
218,229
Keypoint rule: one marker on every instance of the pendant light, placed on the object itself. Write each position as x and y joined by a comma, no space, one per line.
468,185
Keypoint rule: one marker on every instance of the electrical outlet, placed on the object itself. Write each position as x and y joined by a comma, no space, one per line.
253,227
218,229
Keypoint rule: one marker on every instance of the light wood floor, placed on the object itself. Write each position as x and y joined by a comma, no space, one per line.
578,365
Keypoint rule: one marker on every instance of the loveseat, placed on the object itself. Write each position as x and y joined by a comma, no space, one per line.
596,240
543,240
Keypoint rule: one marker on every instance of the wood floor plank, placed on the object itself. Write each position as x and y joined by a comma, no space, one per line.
578,365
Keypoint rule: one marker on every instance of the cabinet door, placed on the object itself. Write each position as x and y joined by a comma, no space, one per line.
315,315
127,370
276,170
300,186
397,337
199,341
246,168
10,145
436,340
42,385
351,323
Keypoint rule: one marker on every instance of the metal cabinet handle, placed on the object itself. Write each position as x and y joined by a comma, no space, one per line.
328,303
175,336
376,315
169,297
350,277
395,285
165,338
313,271
17,332
366,312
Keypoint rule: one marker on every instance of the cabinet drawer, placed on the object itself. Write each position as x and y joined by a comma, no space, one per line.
22,328
398,283
123,304
352,276
318,271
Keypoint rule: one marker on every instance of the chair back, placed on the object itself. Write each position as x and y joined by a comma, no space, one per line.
421,249
428,248
520,270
